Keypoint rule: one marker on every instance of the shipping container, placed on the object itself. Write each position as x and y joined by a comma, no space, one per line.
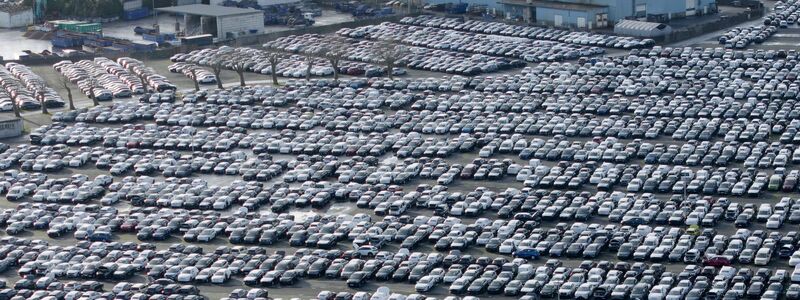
66,41
82,28
136,14
153,37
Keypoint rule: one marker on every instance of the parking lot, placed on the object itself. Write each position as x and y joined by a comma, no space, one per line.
549,164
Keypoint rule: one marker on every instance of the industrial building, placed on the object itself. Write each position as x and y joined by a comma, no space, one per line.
10,126
590,14
15,15
220,21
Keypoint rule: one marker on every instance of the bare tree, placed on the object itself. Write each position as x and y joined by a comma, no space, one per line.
15,107
41,98
334,54
194,78
131,68
240,67
65,84
217,64
92,87
274,58
390,54
309,63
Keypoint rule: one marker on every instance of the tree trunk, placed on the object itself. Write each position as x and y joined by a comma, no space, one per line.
69,97
194,78
274,74
389,68
335,65
308,70
16,109
94,99
336,74
44,105
217,73
144,84
241,77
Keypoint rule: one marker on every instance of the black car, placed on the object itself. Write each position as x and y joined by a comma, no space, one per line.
357,279
289,277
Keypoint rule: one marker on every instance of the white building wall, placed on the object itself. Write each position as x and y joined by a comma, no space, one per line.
18,19
10,128
241,24
131,4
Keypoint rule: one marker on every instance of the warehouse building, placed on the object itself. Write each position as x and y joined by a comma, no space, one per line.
14,15
220,21
590,14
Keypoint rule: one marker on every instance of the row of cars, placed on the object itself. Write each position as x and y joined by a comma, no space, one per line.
198,74
527,205
418,58
109,79
441,39
531,32
465,274
290,66
21,87
92,78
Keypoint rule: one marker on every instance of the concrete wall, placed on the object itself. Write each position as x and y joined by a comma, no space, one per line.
10,128
18,19
240,25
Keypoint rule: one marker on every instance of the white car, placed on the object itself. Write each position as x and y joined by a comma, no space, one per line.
796,274
762,257
425,284
188,274
221,276
774,222
795,259
452,275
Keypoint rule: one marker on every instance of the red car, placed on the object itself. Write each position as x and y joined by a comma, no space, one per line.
717,261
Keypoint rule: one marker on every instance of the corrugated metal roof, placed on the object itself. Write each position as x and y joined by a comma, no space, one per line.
209,10
641,29
639,25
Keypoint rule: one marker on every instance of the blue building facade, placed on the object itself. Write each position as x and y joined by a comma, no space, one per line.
590,14
490,4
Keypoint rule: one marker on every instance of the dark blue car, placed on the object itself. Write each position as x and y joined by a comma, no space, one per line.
528,253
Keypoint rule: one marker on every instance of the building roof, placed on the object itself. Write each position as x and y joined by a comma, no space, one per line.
8,118
209,10
639,25
554,4
642,29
